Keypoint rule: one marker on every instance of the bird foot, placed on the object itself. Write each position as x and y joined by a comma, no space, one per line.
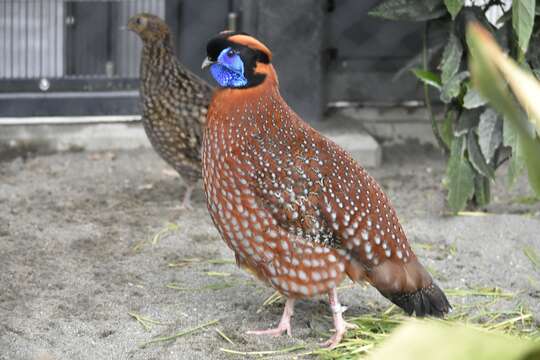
284,323
184,206
338,335
340,325
186,201
349,326
334,340
273,332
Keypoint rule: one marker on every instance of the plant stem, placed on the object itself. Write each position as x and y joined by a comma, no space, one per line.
427,101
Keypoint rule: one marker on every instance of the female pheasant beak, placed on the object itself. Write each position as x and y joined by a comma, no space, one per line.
206,63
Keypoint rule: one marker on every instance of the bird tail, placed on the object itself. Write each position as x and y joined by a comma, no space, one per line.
409,286
427,301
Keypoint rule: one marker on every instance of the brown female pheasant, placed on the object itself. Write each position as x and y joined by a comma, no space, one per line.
294,207
174,100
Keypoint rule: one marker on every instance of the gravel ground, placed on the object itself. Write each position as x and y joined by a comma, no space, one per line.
76,256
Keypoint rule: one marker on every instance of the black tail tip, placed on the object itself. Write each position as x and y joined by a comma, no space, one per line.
428,301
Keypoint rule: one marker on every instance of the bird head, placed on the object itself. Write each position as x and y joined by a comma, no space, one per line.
238,60
149,27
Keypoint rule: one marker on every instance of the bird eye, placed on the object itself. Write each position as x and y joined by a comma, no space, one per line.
231,53
138,21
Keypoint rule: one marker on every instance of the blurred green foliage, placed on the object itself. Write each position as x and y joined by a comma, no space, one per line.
435,340
505,84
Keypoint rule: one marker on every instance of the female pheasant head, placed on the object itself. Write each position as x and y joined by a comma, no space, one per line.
150,28
239,61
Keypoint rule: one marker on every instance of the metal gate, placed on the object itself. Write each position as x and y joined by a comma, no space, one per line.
326,52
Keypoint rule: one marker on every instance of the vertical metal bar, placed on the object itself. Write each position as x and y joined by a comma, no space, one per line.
55,56
47,42
30,23
48,58
20,35
4,46
2,65
24,21
129,44
12,31
41,31
108,38
25,24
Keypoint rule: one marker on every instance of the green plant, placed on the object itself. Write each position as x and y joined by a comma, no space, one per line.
470,131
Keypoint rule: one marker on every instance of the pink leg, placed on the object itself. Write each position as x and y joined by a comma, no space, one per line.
339,324
284,323
186,202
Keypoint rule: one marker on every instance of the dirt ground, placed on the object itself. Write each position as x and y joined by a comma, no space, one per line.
77,256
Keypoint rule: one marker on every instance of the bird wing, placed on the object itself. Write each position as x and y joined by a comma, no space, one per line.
315,190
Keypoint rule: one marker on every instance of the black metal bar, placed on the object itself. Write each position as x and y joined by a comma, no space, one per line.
109,49
55,34
25,55
12,31
4,46
78,83
131,11
41,29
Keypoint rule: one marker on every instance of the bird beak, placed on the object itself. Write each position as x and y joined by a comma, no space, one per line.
130,25
206,63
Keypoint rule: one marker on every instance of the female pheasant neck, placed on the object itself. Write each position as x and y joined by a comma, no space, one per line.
158,59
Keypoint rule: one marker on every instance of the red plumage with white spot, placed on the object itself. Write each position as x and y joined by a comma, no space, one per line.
297,210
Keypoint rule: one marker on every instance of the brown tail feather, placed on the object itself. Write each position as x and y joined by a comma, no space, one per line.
428,301
409,286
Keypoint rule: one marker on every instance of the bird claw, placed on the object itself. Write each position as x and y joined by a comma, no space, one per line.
284,323
350,326
186,201
334,340
338,335
184,206
273,332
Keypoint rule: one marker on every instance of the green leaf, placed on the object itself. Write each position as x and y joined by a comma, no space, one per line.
411,10
452,88
523,12
446,128
537,73
467,120
537,9
460,177
517,163
490,133
454,6
451,59
417,61
475,156
482,190
428,77
473,99
507,16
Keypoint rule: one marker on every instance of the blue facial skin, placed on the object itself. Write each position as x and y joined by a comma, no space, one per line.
228,70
